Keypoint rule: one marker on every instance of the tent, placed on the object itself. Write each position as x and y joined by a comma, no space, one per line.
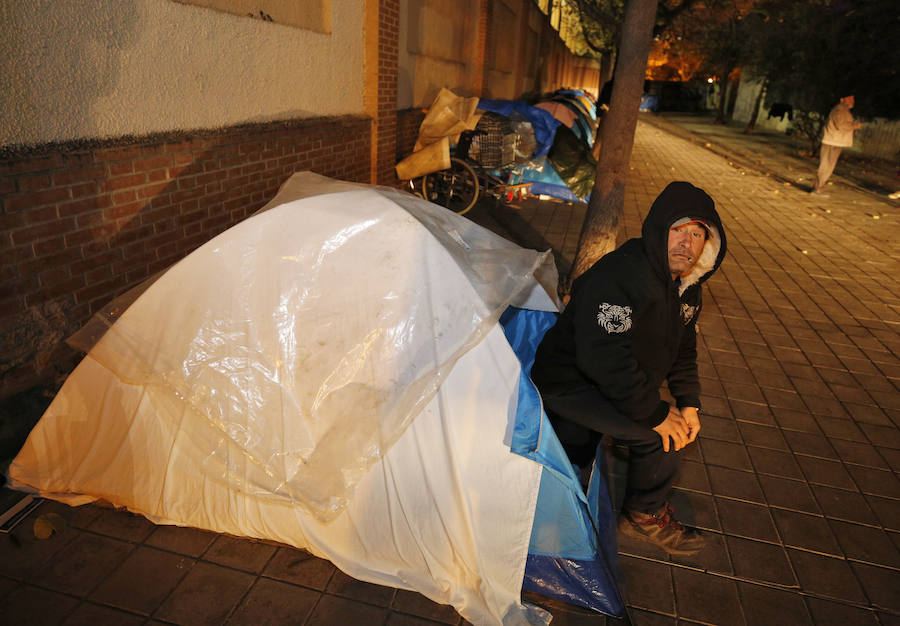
333,373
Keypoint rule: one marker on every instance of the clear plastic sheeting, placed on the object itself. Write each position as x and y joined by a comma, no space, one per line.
307,338
329,374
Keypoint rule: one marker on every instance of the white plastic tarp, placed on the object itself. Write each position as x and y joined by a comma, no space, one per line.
329,374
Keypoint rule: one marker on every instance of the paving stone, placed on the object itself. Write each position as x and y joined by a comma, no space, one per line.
885,436
694,592
240,553
829,613
859,453
183,540
206,596
868,414
648,585
759,413
7,585
880,585
746,520
824,472
802,421
334,610
762,436
838,428
765,366
30,605
891,456
720,428
738,484
401,619
811,386
22,554
810,444
716,406
769,606
826,576
274,602
88,614
885,397
692,475
122,525
646,618
159,573
799,368
774,463
725,454
343,585
865,543
420,606
729,361
83,564
887,510
746,391
888,619
876,482
763,562
300,568
76,516
805,531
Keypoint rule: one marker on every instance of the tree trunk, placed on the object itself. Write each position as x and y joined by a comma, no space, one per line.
607,63
751,125
601,224
724,88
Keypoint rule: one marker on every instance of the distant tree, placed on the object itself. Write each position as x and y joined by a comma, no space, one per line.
717,33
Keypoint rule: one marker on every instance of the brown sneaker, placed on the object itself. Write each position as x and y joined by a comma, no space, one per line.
661,529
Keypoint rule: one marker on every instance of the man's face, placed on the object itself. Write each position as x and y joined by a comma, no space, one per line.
850,101
685,245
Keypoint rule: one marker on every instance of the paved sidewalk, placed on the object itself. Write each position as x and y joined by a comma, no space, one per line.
787,158
794,478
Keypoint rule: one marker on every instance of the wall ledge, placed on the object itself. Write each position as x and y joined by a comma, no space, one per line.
25,151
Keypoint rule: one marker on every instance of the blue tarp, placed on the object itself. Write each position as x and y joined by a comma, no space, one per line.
546,181
649,102
573,541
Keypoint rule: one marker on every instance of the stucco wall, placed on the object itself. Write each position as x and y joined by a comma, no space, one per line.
107,68
438,47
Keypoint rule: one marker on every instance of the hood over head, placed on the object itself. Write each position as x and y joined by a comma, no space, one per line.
681,202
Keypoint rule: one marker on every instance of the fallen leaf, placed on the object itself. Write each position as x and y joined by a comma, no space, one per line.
45,525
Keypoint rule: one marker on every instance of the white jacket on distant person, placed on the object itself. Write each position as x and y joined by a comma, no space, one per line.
840,126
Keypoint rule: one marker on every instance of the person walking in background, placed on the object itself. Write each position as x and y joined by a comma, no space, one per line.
838,135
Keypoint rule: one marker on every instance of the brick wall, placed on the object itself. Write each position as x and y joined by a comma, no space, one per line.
80,226
408,123
388,38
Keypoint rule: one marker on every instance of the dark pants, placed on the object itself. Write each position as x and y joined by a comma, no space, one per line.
582,416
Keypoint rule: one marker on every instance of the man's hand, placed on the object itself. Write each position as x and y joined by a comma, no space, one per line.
691,416
676,427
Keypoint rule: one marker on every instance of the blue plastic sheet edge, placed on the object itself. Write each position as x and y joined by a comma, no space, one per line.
588,582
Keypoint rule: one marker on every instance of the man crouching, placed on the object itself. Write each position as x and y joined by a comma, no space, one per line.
630,324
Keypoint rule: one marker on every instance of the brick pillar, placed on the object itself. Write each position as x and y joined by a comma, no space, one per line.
478,62
382,41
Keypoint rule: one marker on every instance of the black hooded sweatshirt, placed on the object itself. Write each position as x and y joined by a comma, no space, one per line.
629,325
